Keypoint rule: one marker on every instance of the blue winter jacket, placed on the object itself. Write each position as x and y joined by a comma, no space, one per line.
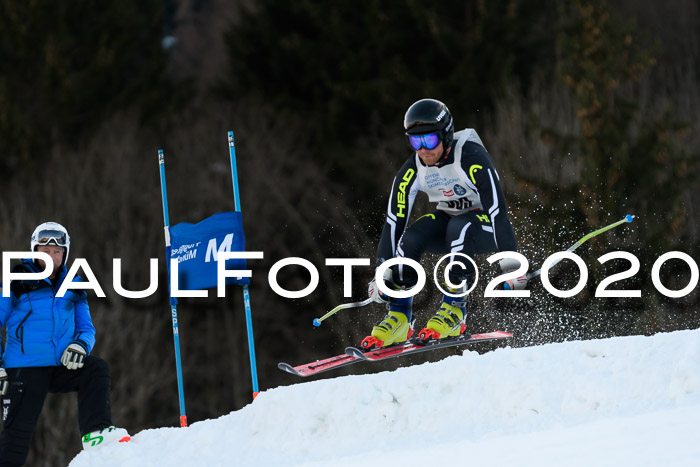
40,325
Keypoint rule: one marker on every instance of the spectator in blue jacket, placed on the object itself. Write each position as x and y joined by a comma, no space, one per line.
47,349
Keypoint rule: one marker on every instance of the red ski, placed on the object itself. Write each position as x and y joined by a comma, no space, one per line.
354,355
415,346
313,368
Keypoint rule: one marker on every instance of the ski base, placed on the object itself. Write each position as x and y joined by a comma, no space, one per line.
319,366
354,354
414,346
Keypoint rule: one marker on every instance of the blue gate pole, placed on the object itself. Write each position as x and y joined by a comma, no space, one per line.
246,291
173,300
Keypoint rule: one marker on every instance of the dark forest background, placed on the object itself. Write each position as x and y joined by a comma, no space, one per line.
588,107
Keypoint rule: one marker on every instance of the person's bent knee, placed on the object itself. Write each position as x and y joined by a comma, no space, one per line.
96,366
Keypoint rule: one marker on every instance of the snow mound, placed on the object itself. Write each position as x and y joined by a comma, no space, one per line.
620,401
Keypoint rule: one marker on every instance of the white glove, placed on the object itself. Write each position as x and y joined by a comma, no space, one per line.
510,265
373,291
74,356
4,382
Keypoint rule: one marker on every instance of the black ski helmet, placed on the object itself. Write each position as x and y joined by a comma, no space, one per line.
427,116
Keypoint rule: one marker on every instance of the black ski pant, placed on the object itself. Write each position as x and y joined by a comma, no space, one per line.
22,404
439,233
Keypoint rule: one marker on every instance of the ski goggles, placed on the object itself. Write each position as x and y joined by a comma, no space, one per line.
48,237
429,141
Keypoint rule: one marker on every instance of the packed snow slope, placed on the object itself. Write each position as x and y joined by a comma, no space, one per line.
630,401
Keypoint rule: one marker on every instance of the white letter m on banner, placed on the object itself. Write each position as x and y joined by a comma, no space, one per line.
212,249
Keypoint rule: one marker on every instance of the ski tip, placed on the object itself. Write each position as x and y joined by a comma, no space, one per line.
355,352
288,368
629,218
317,322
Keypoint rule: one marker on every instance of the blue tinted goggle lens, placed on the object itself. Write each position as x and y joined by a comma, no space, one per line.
55,237
429,141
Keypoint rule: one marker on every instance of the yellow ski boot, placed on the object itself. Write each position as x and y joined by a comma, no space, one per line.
395,328
447,322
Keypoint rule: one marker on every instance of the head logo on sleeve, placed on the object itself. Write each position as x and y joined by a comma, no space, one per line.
472,170
401,195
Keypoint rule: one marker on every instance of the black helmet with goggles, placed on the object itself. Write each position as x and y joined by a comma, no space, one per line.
427,122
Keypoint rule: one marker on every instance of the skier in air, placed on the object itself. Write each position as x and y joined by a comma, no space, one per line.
47,349
471,217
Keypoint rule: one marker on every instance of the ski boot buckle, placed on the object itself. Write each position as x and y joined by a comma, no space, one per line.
371,343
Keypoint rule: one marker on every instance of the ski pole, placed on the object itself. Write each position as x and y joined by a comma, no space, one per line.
627,219
317,321
246,288
173,300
